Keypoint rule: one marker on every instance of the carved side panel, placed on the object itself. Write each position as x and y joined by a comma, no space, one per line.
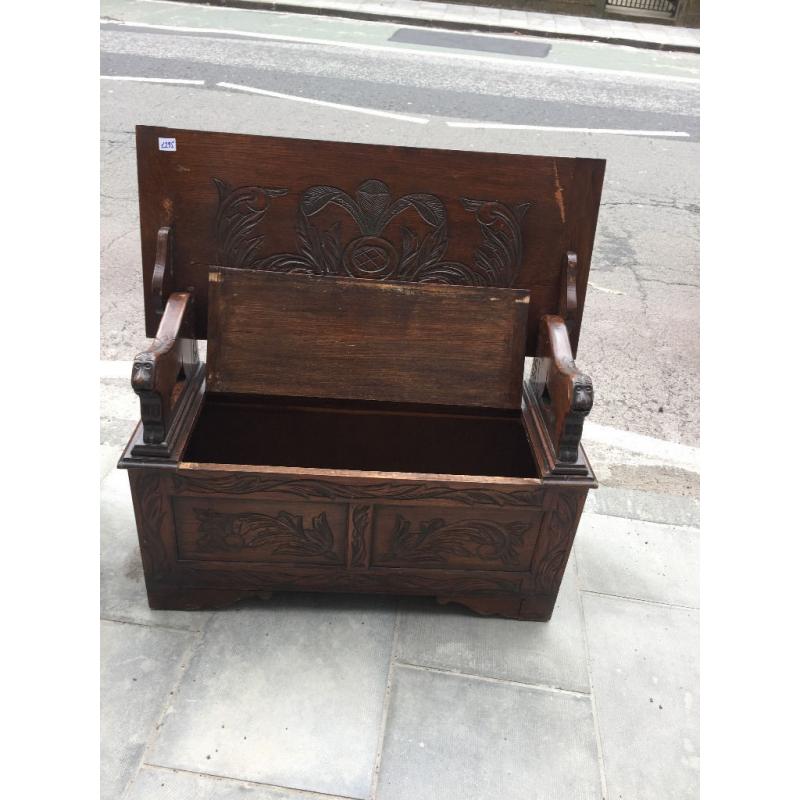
236,530
242,235
152,523
444,537
555,543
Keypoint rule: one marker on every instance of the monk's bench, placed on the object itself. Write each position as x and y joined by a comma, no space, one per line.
363,423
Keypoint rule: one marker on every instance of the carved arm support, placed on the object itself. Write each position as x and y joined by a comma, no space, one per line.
565,393
162,372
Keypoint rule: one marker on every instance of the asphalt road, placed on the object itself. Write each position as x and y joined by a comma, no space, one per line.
641,340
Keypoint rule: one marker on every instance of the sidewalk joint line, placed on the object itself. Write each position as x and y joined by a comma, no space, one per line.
149,624
246,781
489,679
640,600
595,717
376,767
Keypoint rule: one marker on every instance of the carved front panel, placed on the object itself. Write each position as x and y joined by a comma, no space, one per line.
430,538
236,530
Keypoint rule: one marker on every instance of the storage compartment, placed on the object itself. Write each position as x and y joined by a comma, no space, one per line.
377,437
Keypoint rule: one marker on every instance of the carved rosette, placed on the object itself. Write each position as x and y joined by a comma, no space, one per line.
437,541
241,237
282,534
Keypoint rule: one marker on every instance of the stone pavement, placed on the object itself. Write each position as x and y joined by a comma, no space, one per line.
339,696
482,18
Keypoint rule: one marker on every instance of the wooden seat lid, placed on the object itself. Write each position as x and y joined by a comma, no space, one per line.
371,212
349,339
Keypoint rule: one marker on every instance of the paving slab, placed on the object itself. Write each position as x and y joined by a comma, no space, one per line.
643,560
450,737
139,668
542,653
158,783
649,506
289,692
645,676
122,592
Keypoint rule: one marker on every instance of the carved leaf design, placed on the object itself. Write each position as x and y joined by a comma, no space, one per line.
550,564
282,534
436,541
361,516
497,261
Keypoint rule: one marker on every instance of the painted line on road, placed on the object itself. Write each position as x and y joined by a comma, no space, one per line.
507,126
151,80
672,454
472,56
360,109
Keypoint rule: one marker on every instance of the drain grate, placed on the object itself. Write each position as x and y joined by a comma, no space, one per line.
470,41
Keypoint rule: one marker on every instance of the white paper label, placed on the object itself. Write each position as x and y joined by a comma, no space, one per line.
166,144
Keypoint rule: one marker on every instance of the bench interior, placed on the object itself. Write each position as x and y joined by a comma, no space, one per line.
379,437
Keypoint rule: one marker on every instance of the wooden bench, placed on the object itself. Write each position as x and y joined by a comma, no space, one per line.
362,424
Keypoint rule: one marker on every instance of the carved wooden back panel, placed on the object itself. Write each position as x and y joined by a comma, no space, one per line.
370,212
316,336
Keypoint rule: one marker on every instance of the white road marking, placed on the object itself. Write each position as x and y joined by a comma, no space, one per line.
151,80
603,289
505,126
682,456
374,112
395,50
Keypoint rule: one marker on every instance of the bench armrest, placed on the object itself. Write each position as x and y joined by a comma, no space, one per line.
564,392
162,372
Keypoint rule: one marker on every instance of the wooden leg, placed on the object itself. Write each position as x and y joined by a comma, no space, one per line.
486,605
538,607
197,599
534,607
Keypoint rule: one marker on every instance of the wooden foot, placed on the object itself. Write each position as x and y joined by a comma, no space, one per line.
487,605
536,607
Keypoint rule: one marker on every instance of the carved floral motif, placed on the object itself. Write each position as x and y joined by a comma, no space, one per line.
282,534
436,541
371,255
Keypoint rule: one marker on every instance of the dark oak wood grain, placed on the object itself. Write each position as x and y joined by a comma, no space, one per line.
304,336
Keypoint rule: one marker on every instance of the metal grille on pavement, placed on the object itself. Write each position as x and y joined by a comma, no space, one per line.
659,6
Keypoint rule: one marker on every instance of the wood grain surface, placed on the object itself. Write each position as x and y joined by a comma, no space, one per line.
305,336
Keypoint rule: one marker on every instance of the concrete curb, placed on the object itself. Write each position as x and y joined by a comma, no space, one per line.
376,14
